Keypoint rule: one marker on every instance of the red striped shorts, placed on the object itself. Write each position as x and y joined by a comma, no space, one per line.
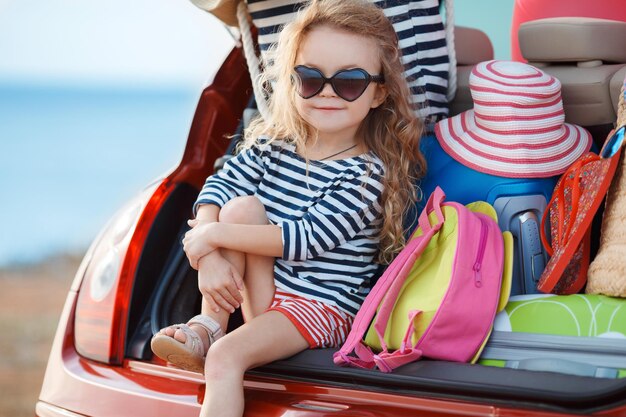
322,325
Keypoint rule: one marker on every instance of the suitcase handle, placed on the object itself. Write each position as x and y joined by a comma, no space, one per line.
563,366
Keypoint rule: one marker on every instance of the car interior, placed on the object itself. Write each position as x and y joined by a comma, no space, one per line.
588,57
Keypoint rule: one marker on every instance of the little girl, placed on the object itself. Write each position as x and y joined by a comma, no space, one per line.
292,227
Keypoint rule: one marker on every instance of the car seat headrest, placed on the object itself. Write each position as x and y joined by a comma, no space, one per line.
587,55
573,39
472,46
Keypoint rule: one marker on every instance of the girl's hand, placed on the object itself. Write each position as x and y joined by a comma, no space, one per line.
219,282
196,242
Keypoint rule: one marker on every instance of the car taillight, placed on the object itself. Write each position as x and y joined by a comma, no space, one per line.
103,297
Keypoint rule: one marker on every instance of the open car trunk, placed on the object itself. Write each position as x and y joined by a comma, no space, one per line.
174,297
165,292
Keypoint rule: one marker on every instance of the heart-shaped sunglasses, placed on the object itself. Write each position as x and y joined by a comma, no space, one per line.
349,84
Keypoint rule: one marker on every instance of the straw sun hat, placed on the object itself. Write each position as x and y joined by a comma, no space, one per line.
516,128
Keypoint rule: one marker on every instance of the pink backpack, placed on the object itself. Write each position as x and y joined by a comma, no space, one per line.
439,297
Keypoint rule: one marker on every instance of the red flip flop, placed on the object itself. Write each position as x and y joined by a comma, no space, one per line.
575,201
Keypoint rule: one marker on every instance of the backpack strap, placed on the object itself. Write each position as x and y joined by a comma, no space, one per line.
407,353
428,231
433,204
384,294
365,357
387,362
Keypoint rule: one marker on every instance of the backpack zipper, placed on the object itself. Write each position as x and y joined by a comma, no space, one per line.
478,277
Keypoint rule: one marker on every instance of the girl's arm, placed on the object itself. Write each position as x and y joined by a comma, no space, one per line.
335,219
240,176
204,238
264,240
207,213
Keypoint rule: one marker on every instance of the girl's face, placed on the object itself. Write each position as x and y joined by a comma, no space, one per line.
330,50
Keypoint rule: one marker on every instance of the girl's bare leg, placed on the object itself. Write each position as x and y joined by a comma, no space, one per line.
221,317
268,337
256,271
274,335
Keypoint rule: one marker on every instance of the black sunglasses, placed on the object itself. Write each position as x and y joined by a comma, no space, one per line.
349,84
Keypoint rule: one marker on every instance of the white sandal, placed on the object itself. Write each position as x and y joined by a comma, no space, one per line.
191,354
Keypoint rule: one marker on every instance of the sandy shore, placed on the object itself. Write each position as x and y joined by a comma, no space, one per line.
31,299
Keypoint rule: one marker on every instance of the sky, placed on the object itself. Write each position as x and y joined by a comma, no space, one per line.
143,42
151,45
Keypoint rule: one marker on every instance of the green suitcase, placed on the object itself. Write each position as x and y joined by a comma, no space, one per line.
578,334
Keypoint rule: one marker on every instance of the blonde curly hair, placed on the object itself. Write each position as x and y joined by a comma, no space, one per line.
392,131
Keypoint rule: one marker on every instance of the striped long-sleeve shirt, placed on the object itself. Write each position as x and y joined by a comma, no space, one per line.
421,37
330,217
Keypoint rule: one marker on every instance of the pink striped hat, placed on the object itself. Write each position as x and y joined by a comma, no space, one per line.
516,128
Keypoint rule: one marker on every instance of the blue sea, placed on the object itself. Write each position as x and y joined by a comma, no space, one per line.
70,156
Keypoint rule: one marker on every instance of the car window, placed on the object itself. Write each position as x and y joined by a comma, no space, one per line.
492,17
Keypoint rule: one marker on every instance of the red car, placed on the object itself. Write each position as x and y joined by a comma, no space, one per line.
135,279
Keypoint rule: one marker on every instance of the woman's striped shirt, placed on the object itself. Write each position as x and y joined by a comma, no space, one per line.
329,213
421,37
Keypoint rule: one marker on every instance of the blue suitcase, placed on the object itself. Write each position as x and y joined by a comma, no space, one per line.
519,203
